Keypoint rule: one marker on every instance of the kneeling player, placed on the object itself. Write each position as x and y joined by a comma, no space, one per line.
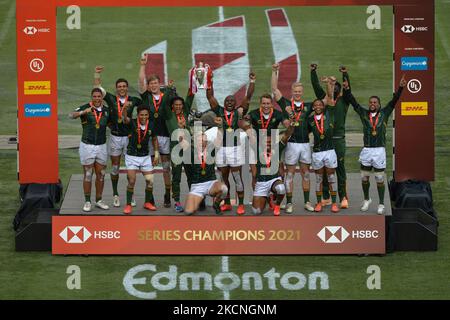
324,159
268,178
138,158
203,179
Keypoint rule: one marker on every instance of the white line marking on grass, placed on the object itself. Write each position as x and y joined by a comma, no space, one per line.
221,15
225,268
7,22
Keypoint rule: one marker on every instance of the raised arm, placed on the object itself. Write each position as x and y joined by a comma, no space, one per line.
330,91
345,77
350,99
98,79
245,104
391,104
142,81
125,116
211,99
318,90
274,82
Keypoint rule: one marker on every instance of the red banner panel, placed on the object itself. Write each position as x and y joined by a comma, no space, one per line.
164,235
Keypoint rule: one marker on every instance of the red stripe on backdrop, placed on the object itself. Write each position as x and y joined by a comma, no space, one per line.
288,74
277,18
217,60
234,22
155,65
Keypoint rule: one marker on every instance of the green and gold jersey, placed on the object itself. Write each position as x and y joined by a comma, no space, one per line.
341,108
322,127
202,173
139,138
172,119
94,124
117,127
262,122
374,124
230,122
300,134
156,109
264,173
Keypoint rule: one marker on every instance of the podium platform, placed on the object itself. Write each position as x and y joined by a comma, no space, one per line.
165,232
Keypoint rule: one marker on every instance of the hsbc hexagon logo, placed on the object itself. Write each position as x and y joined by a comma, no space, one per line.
30,30
333,234
408,28
75,234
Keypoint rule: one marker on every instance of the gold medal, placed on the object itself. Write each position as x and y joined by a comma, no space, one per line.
156,115
119,120
268,170
296,124
322,136
139,146
97,126
203,172
230,129
374,133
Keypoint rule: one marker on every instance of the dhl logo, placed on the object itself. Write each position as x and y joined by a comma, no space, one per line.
414,108
36,87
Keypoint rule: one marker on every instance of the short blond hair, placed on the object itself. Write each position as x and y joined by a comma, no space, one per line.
297,84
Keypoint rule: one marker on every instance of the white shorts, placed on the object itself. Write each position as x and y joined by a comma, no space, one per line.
322,159
263,188
138,163
297,152
373,157
163,146
117,145
202,189
90,153
230,156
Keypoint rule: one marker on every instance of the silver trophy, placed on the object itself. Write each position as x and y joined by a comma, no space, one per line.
200,74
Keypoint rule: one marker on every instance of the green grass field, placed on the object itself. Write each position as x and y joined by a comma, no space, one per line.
115,38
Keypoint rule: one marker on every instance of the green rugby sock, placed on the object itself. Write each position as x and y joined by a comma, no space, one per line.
365,187
289,198
149,195
130,192
381,188
87,197
115,182
306,195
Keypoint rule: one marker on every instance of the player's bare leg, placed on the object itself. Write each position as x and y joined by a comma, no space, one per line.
100,171
319,189
225,173
192,203
149,200
332,183
218,191
289,183
258,204
87,186
306,184
239,184
279,190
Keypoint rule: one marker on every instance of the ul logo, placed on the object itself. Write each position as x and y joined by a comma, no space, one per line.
414,86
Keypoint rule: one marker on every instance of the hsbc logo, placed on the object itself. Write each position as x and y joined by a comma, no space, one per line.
333,234
75,234
32,30
407,28
338,234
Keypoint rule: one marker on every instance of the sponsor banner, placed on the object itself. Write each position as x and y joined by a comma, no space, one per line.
164,235
36,87
414,63
414,108
37,110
